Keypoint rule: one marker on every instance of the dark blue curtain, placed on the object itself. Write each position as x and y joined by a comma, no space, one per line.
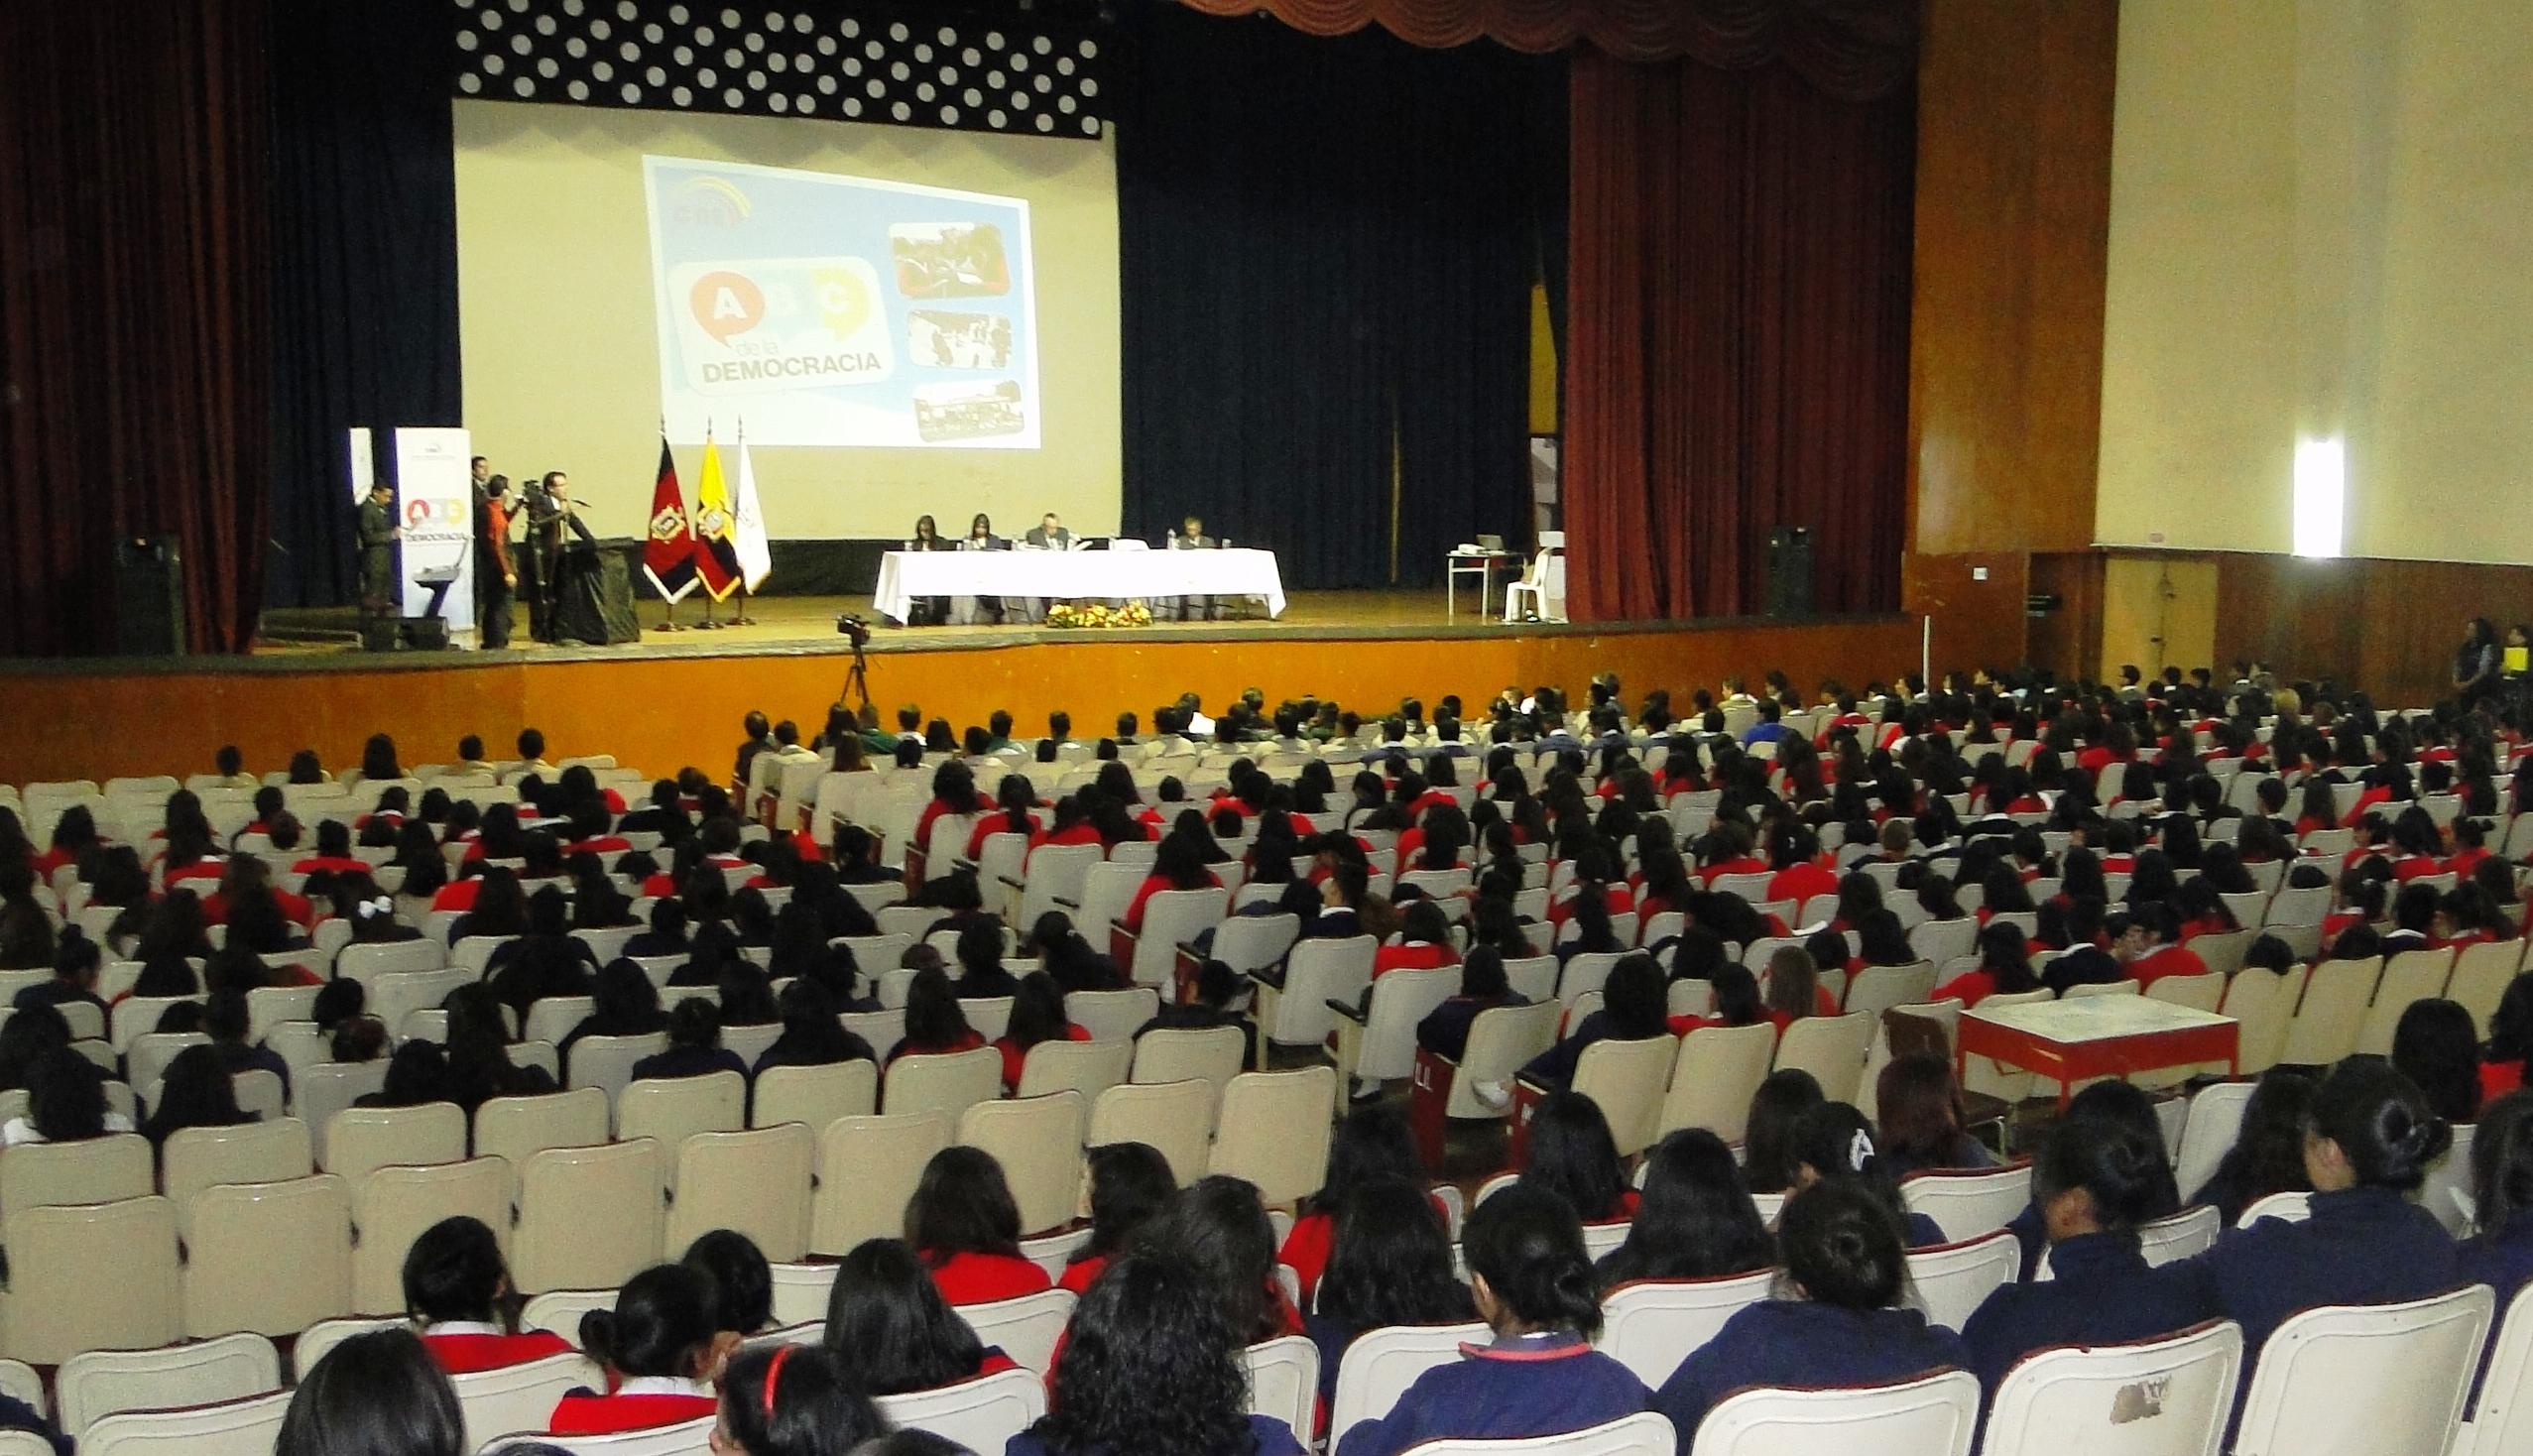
1327,247
364,228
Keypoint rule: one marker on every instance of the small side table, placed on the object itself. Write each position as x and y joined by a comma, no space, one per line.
1480,564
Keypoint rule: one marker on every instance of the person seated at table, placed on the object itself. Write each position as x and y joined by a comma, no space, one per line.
1191,537
970,610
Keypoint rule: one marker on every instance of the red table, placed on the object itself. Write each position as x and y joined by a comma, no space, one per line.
2097,1036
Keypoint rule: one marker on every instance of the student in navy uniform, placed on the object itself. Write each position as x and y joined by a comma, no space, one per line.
2094,1181
2367,1143
1539,1375
2502,1256
2120,1105
1834,1144
1837,1322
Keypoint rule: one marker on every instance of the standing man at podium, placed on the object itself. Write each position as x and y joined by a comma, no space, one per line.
549,512
378,534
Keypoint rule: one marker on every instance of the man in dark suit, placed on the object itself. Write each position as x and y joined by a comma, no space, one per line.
1190,537
1048,535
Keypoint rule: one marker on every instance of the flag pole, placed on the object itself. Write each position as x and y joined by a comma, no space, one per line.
742,618
703,587
669,622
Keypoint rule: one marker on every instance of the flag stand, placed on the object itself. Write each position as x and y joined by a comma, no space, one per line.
743,619
707,624
670,624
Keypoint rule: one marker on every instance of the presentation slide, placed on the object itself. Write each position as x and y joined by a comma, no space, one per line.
907,320
841,311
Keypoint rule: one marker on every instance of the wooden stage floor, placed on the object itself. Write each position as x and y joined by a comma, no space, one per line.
807,624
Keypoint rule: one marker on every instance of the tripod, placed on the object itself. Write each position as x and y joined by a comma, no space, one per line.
857,679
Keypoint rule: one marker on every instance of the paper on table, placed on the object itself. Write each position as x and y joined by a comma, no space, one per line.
2096,1017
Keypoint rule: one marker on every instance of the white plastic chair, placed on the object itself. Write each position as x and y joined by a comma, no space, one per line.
2294,1208
2193,1231
1643,1434
1627,1081
2216,1116
1932,1415
2502,1421
2154,1397
1380,1364
1651,1326
520,1397
2390,1377
1284,1381
1026,1328
246,1427
1966,1204
981,1414
1949,1281
101,1383
1542,589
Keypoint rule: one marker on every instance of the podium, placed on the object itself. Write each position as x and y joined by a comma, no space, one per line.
593,594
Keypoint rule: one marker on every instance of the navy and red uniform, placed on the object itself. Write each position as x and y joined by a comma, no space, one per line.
2098,1293
2362,1246
464,1349
638,1404
1790,1342
1514,1388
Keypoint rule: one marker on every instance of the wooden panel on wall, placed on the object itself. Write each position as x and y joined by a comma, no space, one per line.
2013,210
1979,621
2068,639
2390,628
2159,610
664,713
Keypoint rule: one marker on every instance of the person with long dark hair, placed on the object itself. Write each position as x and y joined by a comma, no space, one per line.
1697,1220
1217,1226
888,1322
1572,1155
1130,1184
1919,1107
790,1401
2094,1181
194,1092
1151,1369
1768,1140
2267,1155
1390,1265
374,1395
1371,1142
1635,1007
1539,1375
2436,1045
963,1222
1835,1320
458,1292
934,1024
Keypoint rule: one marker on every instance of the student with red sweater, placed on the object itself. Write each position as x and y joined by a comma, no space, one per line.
458,1293
2004,966
2151,948
1371,1143
1572,1155
1794,990
658,1347
1424,942
888,1320
1129,1182
964,1223
1038,1014
934,1024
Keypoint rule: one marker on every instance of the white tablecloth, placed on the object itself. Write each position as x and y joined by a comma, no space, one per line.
1064,575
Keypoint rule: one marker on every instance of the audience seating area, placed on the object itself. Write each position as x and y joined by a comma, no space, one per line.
161,1297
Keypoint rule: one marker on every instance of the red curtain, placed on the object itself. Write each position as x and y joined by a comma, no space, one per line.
133,312
1738,343
1856,48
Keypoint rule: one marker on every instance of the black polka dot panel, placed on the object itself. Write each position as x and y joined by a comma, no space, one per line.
1018,71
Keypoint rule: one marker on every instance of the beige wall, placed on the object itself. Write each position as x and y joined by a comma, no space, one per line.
560,346
2318,228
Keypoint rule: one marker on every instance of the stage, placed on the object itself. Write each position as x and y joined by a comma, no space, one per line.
677,698
807,624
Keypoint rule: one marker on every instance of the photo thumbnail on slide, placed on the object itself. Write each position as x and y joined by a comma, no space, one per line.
805,304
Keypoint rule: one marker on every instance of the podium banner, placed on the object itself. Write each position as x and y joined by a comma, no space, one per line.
435,502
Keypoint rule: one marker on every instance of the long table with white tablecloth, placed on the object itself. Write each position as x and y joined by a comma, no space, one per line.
1072,576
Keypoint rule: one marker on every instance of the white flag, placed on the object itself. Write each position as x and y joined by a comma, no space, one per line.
755,557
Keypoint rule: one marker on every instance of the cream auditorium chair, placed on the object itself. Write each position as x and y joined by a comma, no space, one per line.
886,1154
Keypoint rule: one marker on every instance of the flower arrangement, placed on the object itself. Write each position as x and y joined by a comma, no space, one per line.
1091,615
